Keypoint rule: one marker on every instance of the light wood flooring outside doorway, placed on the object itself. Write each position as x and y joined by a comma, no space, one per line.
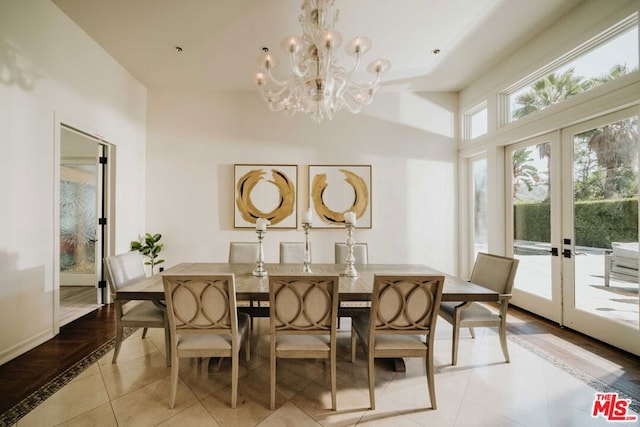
76,301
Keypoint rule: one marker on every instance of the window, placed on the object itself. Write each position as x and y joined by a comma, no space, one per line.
479,195
475,122
606,57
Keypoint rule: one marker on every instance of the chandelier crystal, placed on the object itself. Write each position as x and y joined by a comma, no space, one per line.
318,85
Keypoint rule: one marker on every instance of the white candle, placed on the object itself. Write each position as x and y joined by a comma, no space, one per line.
306,217
350,218
261,224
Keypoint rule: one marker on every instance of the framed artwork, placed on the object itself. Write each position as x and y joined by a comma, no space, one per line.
337,189
265,191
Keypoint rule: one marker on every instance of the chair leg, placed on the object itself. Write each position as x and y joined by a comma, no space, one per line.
333,378
234,379
272,375
454,347
503,342
167,343
144,333
353,344
116,348
372,381
472,332
431,378
174,381
247,345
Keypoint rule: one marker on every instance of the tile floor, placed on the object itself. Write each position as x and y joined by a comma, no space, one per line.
481,391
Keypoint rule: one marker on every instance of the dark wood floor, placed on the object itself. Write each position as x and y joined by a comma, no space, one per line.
27,373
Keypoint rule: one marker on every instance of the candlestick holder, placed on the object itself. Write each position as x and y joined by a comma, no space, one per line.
259,270
307,248
350,270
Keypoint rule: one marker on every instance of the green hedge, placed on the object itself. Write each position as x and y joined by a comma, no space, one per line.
597,223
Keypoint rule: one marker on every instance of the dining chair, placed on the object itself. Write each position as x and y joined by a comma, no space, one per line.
360,253
243,252
302,322
204,322
401,323
496,273
291,252
122,270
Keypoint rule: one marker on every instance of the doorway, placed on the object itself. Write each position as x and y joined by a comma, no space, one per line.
572,201
82,236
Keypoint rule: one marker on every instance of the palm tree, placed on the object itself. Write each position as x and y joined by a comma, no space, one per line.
523,172
615,146
550,90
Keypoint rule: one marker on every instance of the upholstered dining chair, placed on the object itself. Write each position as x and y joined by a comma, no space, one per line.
302,322
243,252
291,252
204,322
494,272
122,270
401,323
360,253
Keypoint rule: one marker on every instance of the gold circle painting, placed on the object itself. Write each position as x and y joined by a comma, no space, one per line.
286,196
330,216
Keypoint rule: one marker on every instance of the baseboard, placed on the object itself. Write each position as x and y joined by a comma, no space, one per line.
24,346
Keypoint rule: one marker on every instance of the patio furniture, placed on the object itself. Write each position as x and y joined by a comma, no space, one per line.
621,263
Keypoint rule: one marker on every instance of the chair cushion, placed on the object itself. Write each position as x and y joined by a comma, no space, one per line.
303,342
477,312
399,342
204,342
448,307
144,311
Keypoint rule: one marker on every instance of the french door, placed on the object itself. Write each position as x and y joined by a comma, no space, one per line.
600,211
533,206
572,197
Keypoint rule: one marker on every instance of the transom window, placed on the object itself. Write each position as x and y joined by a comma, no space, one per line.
606,57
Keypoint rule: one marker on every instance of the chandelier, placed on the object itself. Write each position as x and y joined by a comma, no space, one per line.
318,85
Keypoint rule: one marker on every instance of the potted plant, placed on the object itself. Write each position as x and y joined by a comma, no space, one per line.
150,248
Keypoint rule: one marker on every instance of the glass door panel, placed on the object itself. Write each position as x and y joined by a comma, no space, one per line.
601,248
532,231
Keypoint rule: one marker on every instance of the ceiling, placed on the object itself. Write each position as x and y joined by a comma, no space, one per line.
221,39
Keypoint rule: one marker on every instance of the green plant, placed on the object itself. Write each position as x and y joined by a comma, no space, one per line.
149,247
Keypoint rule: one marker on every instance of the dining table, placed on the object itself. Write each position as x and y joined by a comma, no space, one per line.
353,291
250,287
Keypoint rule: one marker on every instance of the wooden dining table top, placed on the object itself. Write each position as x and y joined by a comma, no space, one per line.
351,288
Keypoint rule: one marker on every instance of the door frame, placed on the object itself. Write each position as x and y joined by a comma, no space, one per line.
107,180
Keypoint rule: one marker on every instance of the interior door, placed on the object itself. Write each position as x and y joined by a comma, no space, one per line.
600,212
81,209
533,225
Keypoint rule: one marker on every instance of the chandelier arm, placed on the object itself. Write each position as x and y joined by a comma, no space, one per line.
276,81
294,66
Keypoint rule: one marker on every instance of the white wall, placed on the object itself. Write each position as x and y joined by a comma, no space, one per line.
194,139
51,71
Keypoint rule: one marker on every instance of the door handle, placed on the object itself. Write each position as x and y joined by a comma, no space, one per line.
567,253
554,251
